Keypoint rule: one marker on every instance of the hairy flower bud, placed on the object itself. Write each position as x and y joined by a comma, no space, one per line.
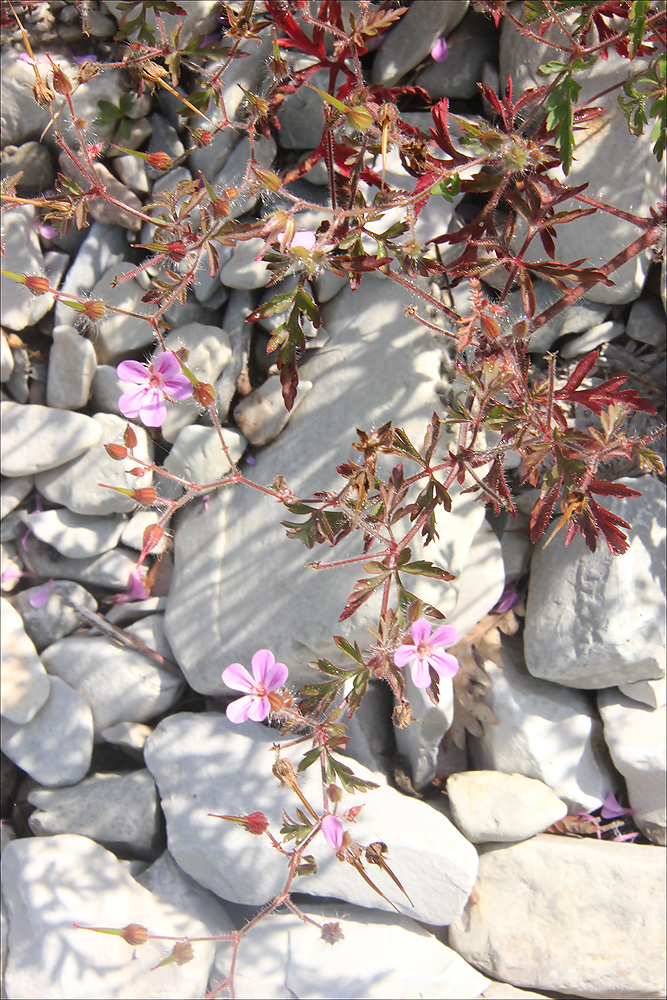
116,451
61,83
36,283
134,934
161,161
129,436
145,496
151,537
204,394
182,952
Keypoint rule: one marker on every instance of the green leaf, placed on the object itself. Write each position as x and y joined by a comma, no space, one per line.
353,652
423,567
560,103
310,758
638,13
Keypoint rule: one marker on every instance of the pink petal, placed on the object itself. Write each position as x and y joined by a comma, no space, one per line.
611,808
261,662
166,364
237,677
404,655
130,403
153,412
259,709
444,663
445,635
440,50
332,828
421,675
420,631
305,239
275,677
132,371
39,597
238,711
179,386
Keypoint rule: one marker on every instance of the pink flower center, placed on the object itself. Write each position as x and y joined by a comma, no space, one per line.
260,690
155,382
423,650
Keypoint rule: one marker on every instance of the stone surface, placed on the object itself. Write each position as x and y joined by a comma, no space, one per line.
196,455
651,693
25,683
118,335
34,162
120,684
492,806
378,367
470,45
72,364
103,248
301,115
412,38
419,742
37,438
129,737
635,735
242,270
600,334
6,359
544,731
209,352
101,209
118,811
261,415
56,618
19,308
646,322
51,883
132,172
595,620
618,167
13,491
55,747
111,570
78,484
381,956
581,912
434,863
133,532
75,535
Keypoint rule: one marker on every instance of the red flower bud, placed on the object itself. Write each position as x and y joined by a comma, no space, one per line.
134,934
145,496
152,535
161,161
61,83
116,451
94,310
256,823
36,283
202,137
182,952
176,250
204,393
129,436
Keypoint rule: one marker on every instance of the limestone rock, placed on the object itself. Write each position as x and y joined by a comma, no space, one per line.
36,438
492,806
25,683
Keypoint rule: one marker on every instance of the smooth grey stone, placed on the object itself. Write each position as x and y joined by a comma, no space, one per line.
12,491
583,316
595,620
104,247
489,806
77,536
132,172
72,365
119,683
25,683
6,359
111,570
52,882
412,38
164,139
18,385
34,162
588,341
242,270
19,308
56,746
129,737
77,484
471,44
239,306
301,115
261,415
235,167
118,811
119,335
646,322
196,455
568,898
59,616
38,438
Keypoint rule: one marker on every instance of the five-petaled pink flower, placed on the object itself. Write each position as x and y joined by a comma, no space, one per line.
269,676
332,828
163,378
426,650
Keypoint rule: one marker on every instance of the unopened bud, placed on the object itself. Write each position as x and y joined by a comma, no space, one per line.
204,394
43,93
87,71
267,178
402,715
182,353
151,537
284,771
176,250
255,823
202,137
129,436
182,952
137,471
161,161
134,934
359,117
116,451
61,83
94,310
36,283
145,496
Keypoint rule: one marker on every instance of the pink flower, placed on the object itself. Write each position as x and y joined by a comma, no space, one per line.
332,828
268,677
305,239
137,590
611,808
39,597
425,651
440,50
163,378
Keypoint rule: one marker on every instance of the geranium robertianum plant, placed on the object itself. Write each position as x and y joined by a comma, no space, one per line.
503,163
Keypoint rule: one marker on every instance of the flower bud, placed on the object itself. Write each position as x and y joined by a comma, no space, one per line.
176,250
116,451
334,792
204,393
43,93
267,178
36,283
256,823
182,952
161,161
151,537
87,71
129,437
61,83
359,117
145,496
134,934
202,137
94,310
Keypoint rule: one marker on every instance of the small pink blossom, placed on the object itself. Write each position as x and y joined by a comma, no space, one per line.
611,808
268,677
426,650
137,591
332,828
163,378
306,239
39,597
440,50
